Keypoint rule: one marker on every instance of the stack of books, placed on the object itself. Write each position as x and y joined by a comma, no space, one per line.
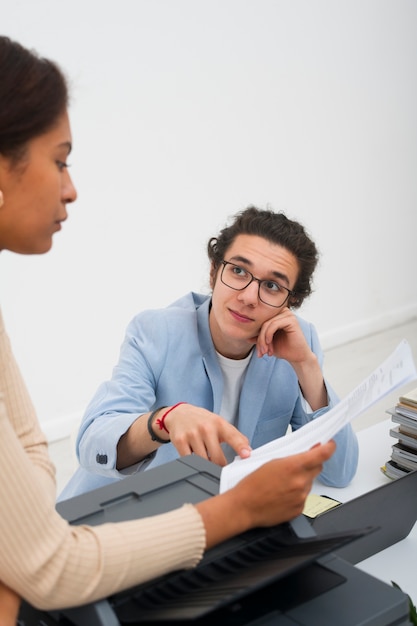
404,453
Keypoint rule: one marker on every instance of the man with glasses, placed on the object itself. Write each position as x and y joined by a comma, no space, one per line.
221,374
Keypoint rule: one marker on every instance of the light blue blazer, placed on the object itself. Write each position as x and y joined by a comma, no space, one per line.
167,357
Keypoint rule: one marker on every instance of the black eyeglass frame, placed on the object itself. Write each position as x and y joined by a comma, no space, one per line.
259,281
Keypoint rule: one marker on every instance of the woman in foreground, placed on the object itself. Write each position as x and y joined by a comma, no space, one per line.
43,559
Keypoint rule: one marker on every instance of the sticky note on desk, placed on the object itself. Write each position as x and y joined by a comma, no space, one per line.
316,505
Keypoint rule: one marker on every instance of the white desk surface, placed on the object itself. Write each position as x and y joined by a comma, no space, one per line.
397,563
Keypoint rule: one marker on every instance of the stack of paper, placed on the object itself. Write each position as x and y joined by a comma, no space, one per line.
404,453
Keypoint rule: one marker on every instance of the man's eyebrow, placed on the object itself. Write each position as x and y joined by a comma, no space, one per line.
242,259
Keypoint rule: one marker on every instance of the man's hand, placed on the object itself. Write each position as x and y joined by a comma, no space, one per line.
199,431
282,337
191,430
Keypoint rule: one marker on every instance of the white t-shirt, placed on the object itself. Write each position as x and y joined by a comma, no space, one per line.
233,375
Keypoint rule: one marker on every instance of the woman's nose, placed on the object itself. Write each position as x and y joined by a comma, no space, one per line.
69,191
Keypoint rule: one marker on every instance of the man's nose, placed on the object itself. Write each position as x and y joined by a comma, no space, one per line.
250,294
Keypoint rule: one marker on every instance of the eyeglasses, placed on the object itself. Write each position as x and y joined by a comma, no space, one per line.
269,292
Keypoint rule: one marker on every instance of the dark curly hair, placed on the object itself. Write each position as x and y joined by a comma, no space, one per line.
278,229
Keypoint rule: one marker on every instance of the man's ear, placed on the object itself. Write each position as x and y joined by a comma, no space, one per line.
213,272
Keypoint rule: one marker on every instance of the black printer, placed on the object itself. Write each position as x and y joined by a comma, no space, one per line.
287,575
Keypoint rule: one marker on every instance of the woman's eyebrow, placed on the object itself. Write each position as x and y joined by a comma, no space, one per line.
67,145
242,259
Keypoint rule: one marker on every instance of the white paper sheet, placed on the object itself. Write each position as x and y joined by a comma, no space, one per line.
398,369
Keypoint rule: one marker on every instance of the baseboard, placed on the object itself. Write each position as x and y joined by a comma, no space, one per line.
363,328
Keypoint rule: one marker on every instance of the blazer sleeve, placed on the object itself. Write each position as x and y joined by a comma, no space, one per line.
129,393
340,469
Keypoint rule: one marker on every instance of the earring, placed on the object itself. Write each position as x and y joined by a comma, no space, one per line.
1,198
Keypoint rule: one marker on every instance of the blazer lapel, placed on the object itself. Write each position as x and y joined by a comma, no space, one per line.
252,397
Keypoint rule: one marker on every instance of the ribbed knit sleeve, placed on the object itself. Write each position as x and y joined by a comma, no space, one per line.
21,413
50,563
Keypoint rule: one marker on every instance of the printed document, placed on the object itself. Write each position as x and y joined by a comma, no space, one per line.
397,370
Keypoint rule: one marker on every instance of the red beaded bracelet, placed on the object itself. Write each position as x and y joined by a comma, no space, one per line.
160,421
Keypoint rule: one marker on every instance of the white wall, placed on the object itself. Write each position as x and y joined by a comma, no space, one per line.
183,113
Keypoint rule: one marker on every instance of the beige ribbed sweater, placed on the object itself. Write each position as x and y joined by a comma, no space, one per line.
48,562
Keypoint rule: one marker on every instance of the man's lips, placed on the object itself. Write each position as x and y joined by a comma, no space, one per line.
240,317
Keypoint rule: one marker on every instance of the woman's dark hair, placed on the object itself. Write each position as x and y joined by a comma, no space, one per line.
278,229
33,94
